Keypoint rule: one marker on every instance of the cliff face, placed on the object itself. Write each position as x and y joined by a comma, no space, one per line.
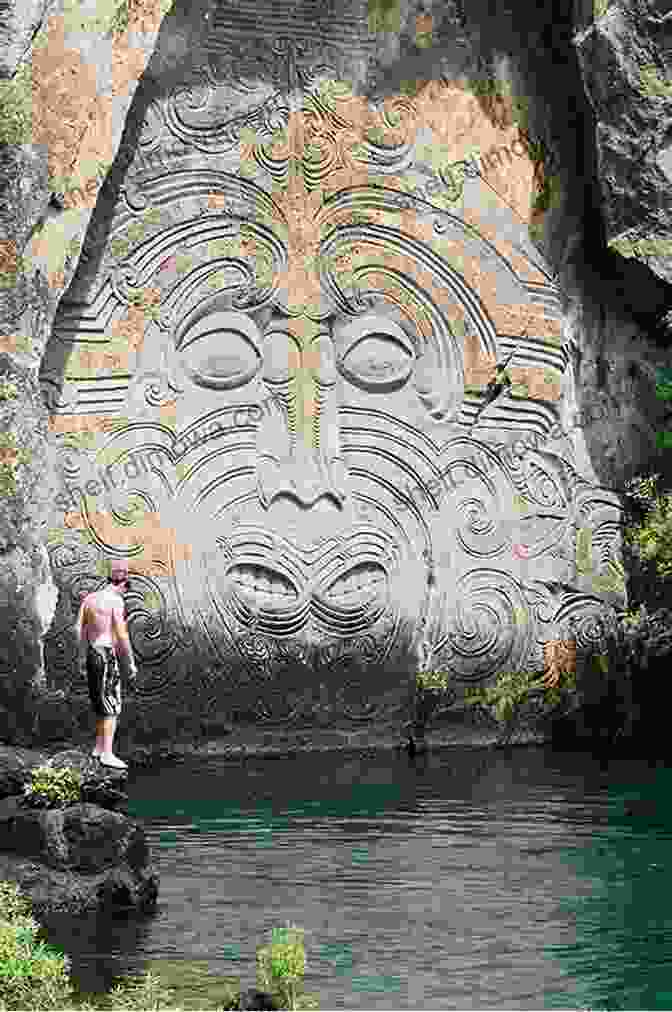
588,91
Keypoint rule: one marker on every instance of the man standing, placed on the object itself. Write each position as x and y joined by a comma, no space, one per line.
102,634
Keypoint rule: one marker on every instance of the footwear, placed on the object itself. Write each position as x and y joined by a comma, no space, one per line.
95,754
107,759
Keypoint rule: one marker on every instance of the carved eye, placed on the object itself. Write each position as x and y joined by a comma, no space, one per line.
220,351
379,358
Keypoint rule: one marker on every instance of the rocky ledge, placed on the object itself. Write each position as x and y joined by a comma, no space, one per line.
78,857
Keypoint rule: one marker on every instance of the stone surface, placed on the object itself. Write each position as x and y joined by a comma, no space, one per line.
82,838
54,891
77,858
286,426
81,84
19,21
626,64
15,766
100,785
304,507
254,999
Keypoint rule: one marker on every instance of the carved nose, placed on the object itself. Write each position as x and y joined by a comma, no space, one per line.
303,471
305,474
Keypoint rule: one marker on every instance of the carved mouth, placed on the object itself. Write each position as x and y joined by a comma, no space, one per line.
263,584
365,580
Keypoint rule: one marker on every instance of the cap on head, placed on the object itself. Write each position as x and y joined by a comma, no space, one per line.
118,571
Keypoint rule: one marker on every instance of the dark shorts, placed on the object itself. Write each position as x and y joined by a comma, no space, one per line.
102,670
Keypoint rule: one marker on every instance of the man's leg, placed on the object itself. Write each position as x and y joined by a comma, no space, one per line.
100,735
109,727
105,728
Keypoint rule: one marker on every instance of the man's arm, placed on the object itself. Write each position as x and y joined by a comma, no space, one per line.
81,639
121,636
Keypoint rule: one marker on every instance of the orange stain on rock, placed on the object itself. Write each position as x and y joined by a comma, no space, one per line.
159,543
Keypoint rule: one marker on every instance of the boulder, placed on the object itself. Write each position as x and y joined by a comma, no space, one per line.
100,785
15,766
80,857
254,999
82,837
53,891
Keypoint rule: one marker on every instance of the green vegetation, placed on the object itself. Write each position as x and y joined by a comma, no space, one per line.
549,195
651,247
507,705
111,16
8,389
651,537
55,536
653,83
16,107
536,231
35,976
10,274
281,966
512,692
600,8
8,467
140,300
51,788
384,16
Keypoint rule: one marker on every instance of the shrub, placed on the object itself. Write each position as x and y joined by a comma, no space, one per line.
520,698
51,788
647,541
652,536
16,107
281,966
35,975
13,903
432,688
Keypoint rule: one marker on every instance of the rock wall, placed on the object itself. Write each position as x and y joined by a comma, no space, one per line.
453,241
69,74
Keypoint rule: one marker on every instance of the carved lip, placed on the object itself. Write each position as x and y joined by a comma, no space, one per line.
364,580
267,587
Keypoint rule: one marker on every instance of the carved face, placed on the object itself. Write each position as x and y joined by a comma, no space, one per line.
314,492
297,495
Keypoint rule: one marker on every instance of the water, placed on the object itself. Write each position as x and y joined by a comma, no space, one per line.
460,880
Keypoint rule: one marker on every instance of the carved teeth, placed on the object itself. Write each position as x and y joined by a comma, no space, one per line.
366,578
263,583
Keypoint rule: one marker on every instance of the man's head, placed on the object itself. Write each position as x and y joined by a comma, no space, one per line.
119,574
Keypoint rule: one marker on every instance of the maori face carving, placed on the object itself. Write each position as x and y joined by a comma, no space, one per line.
304,541
301,382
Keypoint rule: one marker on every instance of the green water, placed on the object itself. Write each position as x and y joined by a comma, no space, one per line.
479,880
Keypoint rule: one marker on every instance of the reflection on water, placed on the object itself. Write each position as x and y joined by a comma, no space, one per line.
484,880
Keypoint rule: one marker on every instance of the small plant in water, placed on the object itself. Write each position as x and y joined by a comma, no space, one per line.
282,964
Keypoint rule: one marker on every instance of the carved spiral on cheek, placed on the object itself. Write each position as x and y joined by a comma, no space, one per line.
146,616
480,526
70,462
541,487
490,628
586,621
254,648
156,391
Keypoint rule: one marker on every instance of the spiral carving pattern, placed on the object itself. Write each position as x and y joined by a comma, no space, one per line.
489,629
357,518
